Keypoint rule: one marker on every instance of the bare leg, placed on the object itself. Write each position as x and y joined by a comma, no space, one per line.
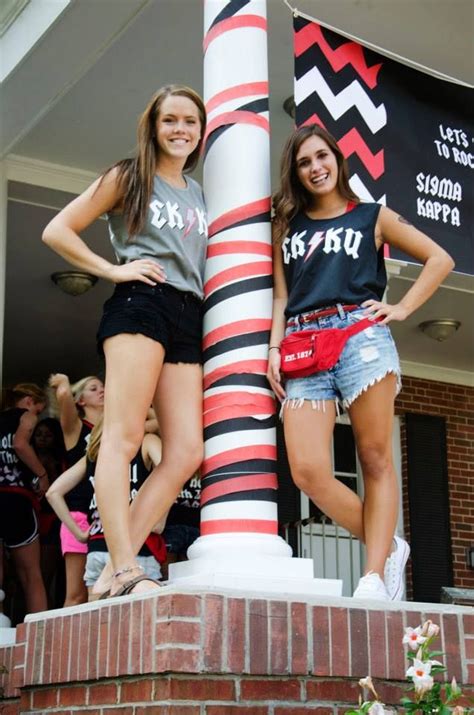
133,364
372,422
178,404
27,564
76,591
308,437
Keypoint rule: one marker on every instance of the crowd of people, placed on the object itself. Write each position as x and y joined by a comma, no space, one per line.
329,276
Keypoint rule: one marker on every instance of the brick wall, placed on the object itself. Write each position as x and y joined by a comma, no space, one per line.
456,404
212,654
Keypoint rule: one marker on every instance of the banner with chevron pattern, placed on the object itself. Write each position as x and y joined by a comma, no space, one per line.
407,135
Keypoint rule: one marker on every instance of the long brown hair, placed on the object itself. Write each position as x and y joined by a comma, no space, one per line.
11,396
135,176
292,197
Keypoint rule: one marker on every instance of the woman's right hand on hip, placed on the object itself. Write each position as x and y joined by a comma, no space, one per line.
143,270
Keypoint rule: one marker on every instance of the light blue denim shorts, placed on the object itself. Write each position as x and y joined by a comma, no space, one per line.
96,560
366,359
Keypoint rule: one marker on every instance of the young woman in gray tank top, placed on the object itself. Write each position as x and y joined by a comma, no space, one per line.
150,330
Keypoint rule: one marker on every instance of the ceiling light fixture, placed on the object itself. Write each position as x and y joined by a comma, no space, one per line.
74,282
441,329
290,107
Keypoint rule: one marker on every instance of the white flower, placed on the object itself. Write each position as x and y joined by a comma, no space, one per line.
420,673
455,689
376,709
367,683
430,629
413,637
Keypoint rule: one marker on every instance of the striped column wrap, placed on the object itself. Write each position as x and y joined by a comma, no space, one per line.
238,478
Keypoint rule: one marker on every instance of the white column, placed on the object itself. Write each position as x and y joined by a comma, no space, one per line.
239,544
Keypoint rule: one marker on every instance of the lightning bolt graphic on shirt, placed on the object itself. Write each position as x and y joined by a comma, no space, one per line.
314,242
191,220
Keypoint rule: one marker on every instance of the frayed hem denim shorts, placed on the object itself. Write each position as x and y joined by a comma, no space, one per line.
161,312
366,359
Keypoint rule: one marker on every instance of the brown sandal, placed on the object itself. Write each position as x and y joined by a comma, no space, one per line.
128,586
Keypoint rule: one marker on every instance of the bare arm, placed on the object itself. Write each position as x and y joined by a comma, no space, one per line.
280,299
57,491
396,231
24,450
62,235
68,416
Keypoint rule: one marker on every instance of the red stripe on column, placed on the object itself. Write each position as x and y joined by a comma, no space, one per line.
236,117
239,90
350,53
221,526
234,23
235,247
241,213
239,454
230,412
259,268
236,368
240,327
223,399
239,484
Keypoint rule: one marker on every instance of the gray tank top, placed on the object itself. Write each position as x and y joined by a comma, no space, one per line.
174,234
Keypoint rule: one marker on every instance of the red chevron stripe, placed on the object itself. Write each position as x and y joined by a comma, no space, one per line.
237,117
240,90
254,367
241,213
239,484
259,268
225,399
353,143
239,454
222,526
236,22
235,247
314,119
230,412
231,330
350,53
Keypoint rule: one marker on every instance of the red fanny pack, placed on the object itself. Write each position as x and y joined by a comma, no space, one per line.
308,351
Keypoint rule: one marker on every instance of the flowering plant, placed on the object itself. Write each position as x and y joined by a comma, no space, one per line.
430,696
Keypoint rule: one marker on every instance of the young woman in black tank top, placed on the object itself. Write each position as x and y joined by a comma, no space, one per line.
329,272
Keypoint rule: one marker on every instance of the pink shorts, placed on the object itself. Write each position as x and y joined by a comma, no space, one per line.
69,543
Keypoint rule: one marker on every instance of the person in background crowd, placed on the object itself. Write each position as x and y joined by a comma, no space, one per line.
48,443
23,479
182,523
151,327
329,272
147,457
80,407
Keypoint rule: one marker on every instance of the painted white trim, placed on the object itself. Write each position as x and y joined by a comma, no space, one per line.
28,26
437,373
3,255
48,175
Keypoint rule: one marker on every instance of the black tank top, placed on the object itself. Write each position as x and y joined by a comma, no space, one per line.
329,261
13,472
78,498
137,476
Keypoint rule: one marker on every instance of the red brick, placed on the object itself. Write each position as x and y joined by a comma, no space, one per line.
124,641
135,666
124,710
103,694
390,693
10,708
64,653
84,651
93,654
73,647
73,695
377,645
132,691
21,632
270,689
235,635
359,643
258,637
55,662
278,637
148,634
178,660
333,690
339,641
468,623
186,605
213,632
163,605
302,710
299,639
161,687
168,710
45,698
321,659
452,646
396,657
26,698
235,710
469,642
174,632
202,689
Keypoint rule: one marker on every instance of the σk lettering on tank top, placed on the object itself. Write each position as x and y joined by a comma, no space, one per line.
329,261
13,473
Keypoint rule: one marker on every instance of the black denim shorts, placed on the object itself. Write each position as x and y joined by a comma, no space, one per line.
163,313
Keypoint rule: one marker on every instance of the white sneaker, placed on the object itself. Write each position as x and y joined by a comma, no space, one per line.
371,588
394,568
